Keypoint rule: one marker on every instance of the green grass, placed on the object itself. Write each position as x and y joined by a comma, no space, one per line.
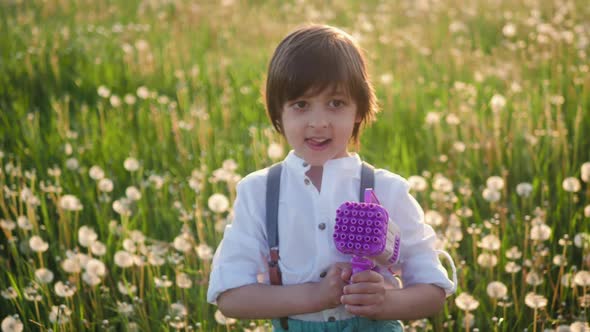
204,67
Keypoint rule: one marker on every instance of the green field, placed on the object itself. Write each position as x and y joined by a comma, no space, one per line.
120,121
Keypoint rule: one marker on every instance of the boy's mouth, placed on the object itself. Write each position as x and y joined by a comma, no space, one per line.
317,143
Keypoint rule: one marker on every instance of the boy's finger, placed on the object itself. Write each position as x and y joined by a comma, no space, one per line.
346,274
366,276
362,310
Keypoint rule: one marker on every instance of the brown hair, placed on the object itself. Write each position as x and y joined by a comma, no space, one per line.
317,57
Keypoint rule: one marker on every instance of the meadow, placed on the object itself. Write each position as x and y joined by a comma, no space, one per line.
126,125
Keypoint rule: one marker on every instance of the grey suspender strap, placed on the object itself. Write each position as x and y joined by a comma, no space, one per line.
367,179
273,189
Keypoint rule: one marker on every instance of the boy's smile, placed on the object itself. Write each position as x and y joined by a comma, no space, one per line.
318,127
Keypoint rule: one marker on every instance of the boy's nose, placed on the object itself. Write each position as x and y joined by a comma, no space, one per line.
318,120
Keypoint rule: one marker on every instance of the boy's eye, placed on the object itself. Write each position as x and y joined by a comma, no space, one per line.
336,103
299,104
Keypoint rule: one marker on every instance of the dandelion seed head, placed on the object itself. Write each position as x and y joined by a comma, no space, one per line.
433,218
129,99
495,183
571,185
183,242
579,327
417,183
587,211
454,234
559,260
7,225
70,203
105,185
491,195
582,278
497,290
96,173
12,324
497,103
204,252
275,151
72,164
64,290
533,278
524,189
24,223
585,172
9,293
71,265
143,92
442,184
466,302
432,118
177,310
582,240
162,282
86,236
115,101
222,320
133,193
37,244
512,267
91,279
103,91
490,242
535,301
98,248
218,203
59,314
126,289
487,260
122,206
183,280
44,275
540,232
131,164
509,30
123,259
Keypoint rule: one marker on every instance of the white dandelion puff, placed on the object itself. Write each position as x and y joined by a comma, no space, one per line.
275,151
43,275
131,164
218,203
466,302
37,244
70,203
571,185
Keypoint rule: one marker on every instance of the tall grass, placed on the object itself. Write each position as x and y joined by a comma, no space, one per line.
136,119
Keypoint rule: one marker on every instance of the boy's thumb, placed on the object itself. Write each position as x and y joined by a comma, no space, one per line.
346,273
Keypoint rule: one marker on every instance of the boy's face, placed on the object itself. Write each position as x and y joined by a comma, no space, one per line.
318,127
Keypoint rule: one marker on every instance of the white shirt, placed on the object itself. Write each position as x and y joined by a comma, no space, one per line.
306,248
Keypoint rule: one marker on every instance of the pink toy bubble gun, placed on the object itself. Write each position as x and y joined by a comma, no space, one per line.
365,231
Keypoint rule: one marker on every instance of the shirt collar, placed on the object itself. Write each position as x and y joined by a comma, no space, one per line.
350,164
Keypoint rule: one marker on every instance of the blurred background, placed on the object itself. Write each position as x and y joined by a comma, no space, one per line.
125,126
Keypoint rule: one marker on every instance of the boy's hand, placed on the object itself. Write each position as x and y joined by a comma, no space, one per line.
332,284
365,296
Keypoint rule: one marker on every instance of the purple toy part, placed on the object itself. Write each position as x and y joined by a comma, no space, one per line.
360,264
363,230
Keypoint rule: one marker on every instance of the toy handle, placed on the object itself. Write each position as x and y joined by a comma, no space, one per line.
370,196
360,264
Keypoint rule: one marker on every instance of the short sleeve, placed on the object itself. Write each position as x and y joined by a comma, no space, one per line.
241,255
419,262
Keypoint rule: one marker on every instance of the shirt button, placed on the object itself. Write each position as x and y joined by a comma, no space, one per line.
322,226
331,319
306,181
305,164
323,274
